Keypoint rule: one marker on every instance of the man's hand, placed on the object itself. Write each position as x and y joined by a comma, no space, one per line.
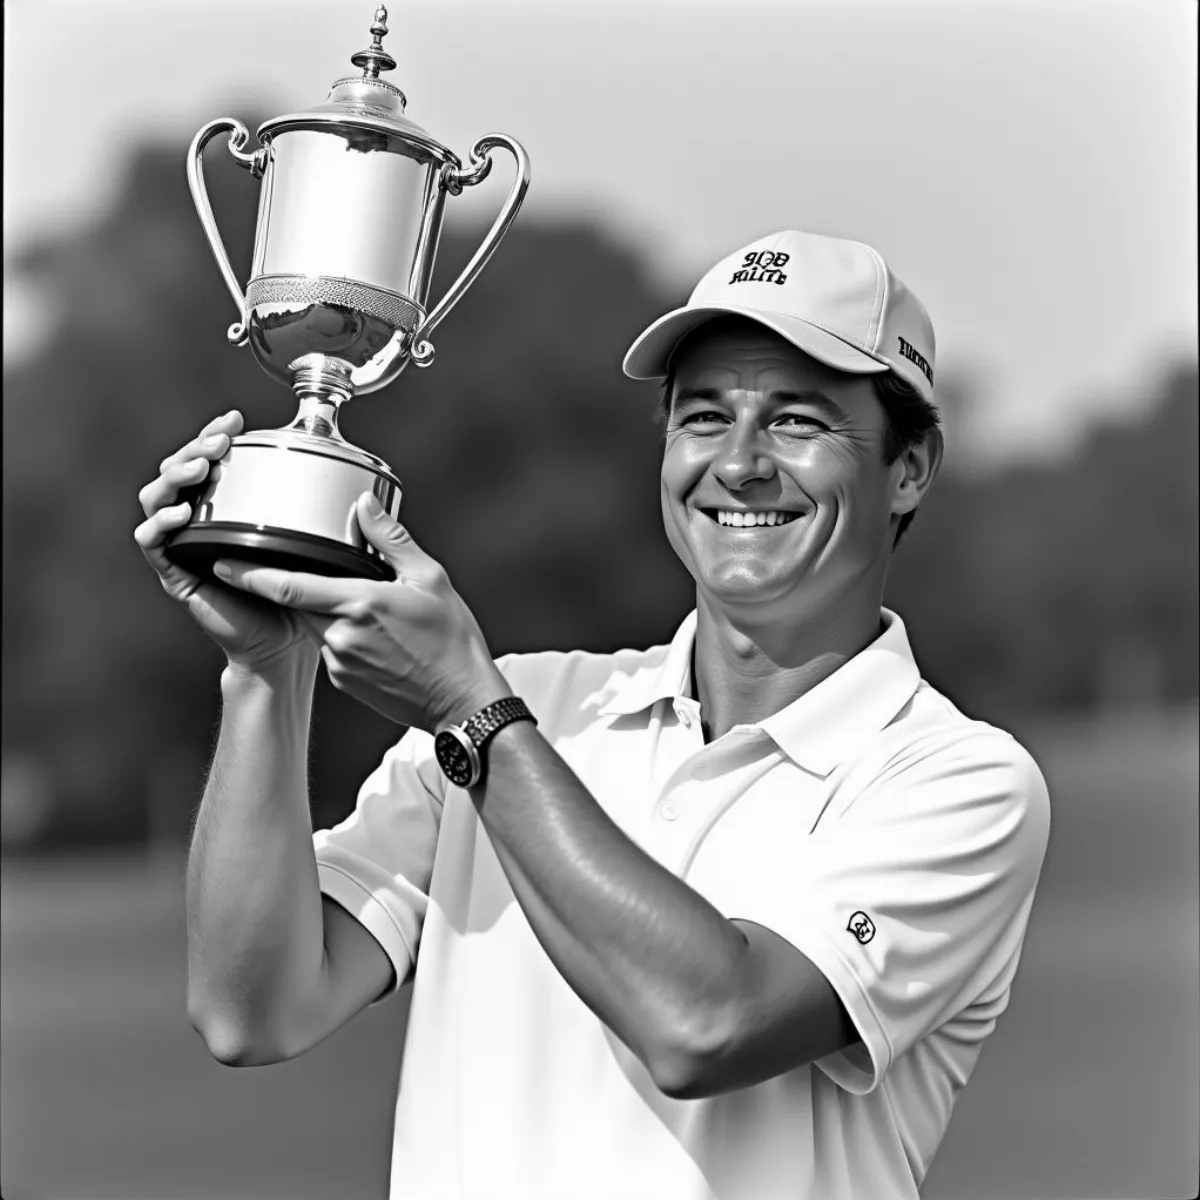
254,636
411,649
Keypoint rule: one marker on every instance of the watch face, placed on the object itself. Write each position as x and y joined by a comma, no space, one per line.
457,761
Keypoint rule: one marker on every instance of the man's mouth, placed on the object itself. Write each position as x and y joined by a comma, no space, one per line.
737,518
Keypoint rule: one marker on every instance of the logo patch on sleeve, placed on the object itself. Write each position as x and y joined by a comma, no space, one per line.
862,927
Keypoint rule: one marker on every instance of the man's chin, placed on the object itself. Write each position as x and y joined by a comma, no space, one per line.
746,590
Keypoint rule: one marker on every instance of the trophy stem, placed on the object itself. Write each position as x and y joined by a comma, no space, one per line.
323,386
318,415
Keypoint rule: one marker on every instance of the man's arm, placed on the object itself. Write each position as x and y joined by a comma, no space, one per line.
708,1004
273,966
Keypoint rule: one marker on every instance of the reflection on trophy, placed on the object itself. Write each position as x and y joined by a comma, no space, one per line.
349,216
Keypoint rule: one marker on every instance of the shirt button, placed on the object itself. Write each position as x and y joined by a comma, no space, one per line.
669,811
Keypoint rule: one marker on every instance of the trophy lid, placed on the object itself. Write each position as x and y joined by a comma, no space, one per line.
365,102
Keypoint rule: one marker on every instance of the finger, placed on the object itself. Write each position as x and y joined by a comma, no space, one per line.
394,542
153,532
210,442
151,535
164,491
295,589
211,447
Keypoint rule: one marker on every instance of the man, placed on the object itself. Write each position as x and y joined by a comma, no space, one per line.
734,917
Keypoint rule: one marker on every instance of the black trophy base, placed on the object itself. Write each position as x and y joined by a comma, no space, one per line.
197,547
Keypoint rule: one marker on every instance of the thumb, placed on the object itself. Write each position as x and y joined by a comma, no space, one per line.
388,536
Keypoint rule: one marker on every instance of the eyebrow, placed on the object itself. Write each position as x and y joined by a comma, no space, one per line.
811,396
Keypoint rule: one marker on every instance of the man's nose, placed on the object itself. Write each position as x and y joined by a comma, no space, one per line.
743,456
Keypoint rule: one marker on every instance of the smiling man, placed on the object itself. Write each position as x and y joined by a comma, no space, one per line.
730,917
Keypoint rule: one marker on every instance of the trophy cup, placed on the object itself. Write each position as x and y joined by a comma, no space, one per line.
349,216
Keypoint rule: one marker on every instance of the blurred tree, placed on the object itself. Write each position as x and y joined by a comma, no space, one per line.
530,470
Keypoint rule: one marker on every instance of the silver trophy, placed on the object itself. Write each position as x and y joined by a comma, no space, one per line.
349,216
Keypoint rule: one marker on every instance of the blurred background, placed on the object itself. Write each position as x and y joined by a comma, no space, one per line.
1029,170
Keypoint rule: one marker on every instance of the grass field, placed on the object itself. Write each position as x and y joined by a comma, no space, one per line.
1087,1090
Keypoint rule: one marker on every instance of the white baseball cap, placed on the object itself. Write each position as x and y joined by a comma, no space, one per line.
835,299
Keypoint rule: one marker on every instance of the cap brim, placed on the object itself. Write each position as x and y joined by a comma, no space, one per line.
650,354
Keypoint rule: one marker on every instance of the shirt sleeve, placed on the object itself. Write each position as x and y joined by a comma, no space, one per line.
378,862
913,900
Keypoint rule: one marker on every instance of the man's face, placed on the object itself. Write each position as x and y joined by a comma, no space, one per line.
759,431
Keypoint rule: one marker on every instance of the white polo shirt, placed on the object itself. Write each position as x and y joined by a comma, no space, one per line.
892,840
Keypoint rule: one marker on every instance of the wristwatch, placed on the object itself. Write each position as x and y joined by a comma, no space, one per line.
459,748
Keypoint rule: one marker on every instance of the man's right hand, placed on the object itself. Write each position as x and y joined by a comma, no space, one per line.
251,632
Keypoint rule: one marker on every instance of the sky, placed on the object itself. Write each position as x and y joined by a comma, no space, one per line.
1028,169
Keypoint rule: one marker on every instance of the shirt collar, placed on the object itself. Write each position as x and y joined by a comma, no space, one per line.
666,672
820,729
833,720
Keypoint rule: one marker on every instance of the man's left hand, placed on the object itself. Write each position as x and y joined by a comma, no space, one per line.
411,649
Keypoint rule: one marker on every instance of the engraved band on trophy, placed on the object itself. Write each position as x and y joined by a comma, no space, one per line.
350,212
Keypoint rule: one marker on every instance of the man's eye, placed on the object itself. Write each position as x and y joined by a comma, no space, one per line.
704,417
800,420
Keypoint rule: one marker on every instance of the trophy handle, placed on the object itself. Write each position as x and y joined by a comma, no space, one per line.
454,179
238,333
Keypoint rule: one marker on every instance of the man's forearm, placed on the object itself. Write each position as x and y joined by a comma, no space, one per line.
651,957
254,913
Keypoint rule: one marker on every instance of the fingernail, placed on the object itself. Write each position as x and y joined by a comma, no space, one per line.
222,570
374,507
211,443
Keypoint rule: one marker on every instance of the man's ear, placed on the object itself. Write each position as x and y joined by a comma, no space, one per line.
914,471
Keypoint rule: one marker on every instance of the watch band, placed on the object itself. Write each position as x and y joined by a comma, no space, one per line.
490,719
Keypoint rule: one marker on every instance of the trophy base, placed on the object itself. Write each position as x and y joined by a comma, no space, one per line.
287,498
196,550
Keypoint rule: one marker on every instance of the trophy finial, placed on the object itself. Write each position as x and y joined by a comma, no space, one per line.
375,58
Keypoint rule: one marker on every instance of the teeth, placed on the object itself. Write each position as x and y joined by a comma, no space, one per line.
740,520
